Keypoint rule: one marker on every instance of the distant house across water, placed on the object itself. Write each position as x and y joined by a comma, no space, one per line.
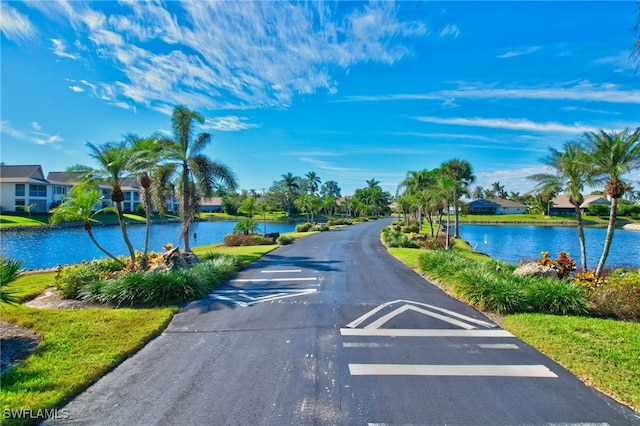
496,206
561,206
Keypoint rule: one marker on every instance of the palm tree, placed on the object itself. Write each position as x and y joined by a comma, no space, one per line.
462,173
248,207
448,189
498,190
313,181
291,186
147,152
197,175
477,193
10,271
116,161
79,207
415,184
263,209
568,172
611,155
373,183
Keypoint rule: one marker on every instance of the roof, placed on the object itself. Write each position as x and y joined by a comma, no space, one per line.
20,174
63,177
496,202
562,201
211,201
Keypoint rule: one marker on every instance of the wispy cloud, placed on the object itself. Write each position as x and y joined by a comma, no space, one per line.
60,49
514,180
76,89
32,136
230,123
450,31
582,91
234,55
510,124
519,52
15,26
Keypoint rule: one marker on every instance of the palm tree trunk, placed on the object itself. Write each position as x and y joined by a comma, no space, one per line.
186,215
456,232
609,237
102,249
448,233
147,231
123,228
583,248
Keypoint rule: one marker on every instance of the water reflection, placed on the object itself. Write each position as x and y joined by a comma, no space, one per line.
515,243
46,248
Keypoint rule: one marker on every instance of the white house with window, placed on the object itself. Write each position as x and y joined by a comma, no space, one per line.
23,186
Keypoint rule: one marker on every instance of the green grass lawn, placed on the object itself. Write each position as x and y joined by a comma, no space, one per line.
7,220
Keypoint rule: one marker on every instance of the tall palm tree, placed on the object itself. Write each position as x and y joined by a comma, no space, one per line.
313,180
414,186
291,186
462,173
79,207
147,152
477,193
116,161
498,190
448,189
248,207
570,173
373,183
611,155
197,175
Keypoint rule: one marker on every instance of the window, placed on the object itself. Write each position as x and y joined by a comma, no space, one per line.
20,190
60,190
20,202
37,190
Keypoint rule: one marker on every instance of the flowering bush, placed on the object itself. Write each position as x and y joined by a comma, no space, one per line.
563,265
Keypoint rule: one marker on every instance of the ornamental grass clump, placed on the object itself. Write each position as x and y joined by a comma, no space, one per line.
619,296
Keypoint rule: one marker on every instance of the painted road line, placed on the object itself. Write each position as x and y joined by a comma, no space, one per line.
246,298
399,332
280,271
381,321
498,346
451,370
366,345
259,280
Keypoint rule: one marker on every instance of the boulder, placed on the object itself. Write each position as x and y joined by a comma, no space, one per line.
173,260
535,269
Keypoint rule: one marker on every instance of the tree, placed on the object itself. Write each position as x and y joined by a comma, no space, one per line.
569,172
462,173
26,208
331,189
78,206
477,193
197,175
116,162
498,190
291,185
248,207
263,209
313,181
448,188
611,155
414,186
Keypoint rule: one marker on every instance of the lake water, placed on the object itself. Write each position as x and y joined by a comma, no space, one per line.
514,243
47,248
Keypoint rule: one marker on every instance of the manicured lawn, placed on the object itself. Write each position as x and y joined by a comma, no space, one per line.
7,220
603,353
511,218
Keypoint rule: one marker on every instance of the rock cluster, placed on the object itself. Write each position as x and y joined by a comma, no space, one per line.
173,260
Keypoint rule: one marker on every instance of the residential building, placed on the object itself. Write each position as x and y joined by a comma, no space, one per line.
211,204
561,206
496,206
61,184
23,186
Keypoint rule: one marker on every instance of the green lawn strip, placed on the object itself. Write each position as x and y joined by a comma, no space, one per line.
603,353
78,347
247,254
35,220
28,286
512,218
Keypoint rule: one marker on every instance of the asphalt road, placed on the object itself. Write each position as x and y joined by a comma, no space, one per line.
333,330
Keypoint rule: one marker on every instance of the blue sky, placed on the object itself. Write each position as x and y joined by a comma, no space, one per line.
349,90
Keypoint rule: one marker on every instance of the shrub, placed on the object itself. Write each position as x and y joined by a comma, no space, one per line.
245,227
304,227
560,297
71,279
235,240
151,289
409,229
394,238
320,228
335,222
619,297
285,239
10,272
563,265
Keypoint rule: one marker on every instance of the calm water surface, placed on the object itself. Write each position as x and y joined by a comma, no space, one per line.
47,248
514,243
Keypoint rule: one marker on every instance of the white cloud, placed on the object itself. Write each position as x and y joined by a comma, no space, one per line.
76,89
60,49
31,136
230,123
514,180
581,91
519,52
235,55
15,26
450,31
510,124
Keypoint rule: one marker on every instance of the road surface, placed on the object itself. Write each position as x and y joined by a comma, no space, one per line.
331,330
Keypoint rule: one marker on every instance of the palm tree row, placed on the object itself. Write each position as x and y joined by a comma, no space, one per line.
163,166
599,158
428,193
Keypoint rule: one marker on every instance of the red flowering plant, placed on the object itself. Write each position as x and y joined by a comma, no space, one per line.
563,265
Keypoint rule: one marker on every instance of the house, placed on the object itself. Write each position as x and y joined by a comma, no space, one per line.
61,184
496,206
23,186
561,206
211,204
